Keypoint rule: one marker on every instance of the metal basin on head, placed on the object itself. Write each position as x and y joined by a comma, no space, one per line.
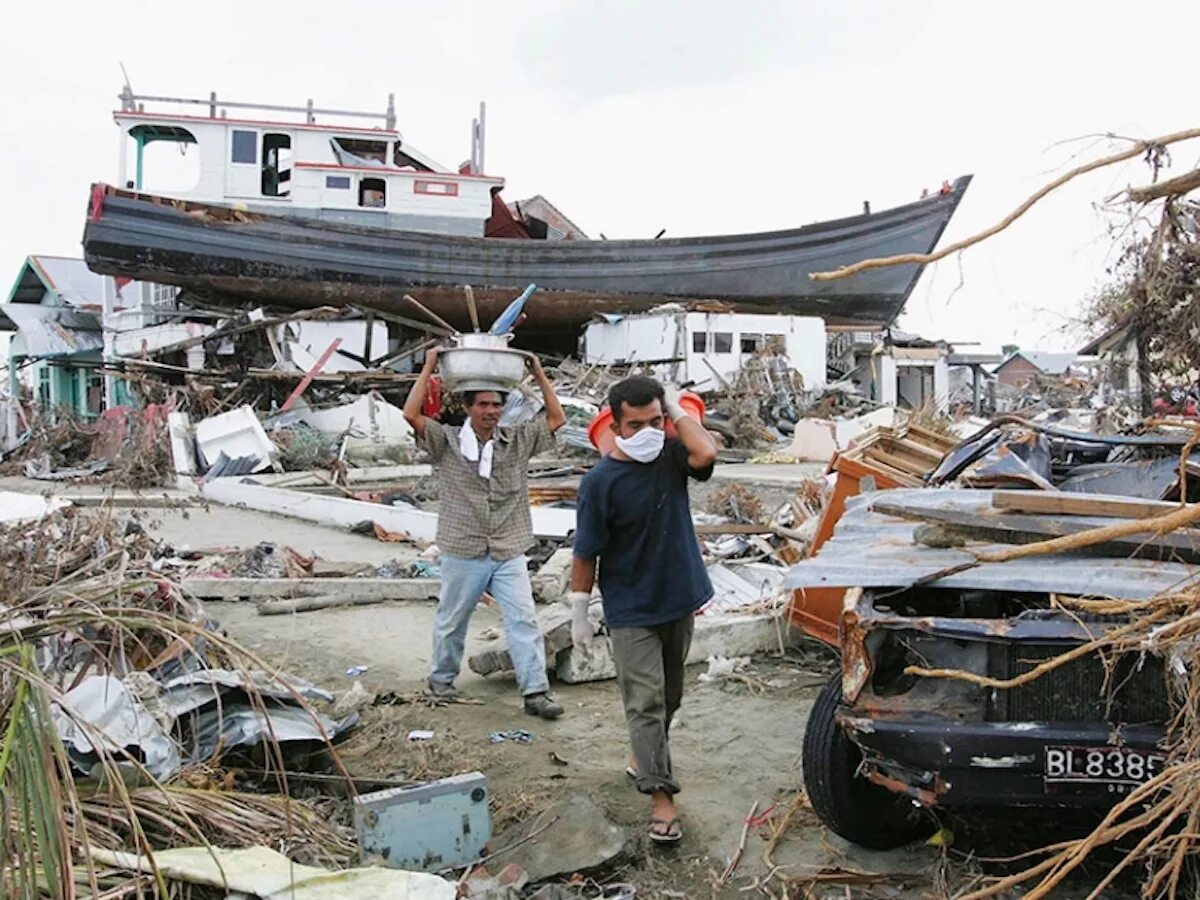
481,362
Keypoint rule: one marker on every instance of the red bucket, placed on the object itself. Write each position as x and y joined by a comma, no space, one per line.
603,438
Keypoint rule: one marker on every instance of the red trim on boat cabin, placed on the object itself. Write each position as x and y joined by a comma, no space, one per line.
449,177
435,188
262,123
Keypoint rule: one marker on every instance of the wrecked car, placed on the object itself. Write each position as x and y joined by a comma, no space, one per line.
893,739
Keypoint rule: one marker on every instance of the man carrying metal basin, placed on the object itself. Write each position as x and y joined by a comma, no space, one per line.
484,528
633,516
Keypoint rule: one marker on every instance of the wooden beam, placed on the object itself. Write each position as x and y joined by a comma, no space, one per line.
1019,528
734,528
261,588
312,373
1066,504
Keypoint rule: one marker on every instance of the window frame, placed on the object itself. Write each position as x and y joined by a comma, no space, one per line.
238,136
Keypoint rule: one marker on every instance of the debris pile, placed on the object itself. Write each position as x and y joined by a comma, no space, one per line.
112,676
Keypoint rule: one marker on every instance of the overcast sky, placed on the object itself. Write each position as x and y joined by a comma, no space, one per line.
699,117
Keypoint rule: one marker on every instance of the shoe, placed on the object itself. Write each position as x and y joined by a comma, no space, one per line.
542,705
442,690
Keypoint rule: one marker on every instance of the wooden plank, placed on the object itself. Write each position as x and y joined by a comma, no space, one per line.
1067,504
256,588
734,528
309,604
898,462
1018,528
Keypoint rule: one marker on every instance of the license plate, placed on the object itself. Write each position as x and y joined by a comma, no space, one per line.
1101,765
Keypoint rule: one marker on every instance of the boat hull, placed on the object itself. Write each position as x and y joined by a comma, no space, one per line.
294,263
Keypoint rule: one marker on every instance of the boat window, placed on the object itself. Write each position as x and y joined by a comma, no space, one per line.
338,182
372,193
245,147
276,165
751,343
700,342
722,342
362,154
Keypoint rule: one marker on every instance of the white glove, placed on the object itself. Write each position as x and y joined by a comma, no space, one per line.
672,404
582,631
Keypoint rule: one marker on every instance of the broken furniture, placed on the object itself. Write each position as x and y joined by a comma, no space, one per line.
882,459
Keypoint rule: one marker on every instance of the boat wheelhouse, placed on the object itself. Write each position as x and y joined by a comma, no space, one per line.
251,157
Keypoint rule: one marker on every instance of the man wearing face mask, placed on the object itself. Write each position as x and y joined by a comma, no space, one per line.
484,529
633,516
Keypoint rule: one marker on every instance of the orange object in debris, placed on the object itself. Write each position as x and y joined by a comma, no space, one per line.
817,611
600,431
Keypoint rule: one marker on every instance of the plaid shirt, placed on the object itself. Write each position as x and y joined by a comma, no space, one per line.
485,516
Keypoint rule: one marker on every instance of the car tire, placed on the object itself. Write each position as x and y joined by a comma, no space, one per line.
847,804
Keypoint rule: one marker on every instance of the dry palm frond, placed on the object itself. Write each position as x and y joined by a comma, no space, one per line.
226,819
82,596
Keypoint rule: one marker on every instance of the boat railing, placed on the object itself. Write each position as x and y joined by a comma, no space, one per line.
131,102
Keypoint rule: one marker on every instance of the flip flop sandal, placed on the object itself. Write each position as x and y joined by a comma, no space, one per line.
669,837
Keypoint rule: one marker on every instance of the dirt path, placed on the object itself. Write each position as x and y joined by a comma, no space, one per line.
733,743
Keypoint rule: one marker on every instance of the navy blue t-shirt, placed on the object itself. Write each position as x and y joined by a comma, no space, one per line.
635,518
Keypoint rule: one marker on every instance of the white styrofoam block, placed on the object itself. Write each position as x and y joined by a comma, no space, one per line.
237,433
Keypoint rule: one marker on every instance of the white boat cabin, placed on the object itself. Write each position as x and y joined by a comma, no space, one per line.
336,173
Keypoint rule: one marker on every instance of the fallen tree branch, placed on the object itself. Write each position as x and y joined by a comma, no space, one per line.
925,258
1159,525
1172,187
741,850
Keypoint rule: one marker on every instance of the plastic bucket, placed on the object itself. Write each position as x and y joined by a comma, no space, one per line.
603,438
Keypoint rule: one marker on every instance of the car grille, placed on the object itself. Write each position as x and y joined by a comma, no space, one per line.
1132,692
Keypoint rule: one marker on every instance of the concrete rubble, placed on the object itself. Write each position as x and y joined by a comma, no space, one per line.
571,836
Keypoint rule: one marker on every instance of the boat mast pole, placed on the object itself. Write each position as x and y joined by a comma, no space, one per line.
482,133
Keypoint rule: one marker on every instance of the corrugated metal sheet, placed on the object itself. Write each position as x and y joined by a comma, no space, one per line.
736,587
49,331
872,550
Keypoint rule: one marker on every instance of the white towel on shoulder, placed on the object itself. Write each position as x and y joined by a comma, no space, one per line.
468,445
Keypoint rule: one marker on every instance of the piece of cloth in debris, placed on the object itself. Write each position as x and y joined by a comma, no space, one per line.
477,516
650,665
469,447
634,517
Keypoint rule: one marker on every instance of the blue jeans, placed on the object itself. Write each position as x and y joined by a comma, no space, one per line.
463,583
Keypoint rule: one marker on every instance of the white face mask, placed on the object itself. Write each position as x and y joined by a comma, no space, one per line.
645,446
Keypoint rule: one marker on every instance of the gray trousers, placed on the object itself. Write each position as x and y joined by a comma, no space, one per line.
649,663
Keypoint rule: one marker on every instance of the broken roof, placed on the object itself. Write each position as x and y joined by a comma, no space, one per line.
1108,339
67,281
1047,362
539,207
49,331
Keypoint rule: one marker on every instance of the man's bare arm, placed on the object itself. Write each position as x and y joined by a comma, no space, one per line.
416,397
555,417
